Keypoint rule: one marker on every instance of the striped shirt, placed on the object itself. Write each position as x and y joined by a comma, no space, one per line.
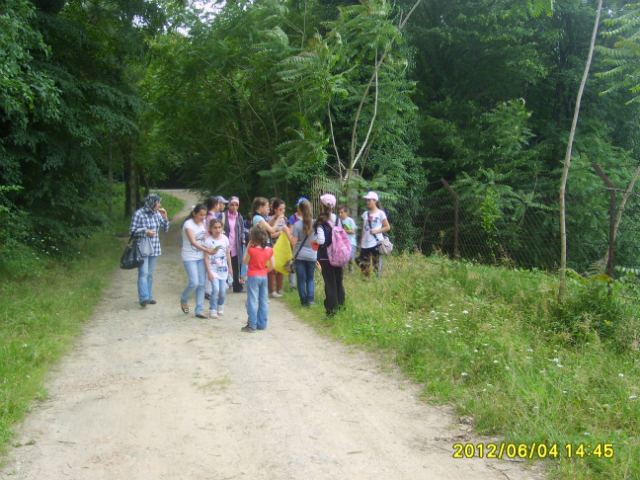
142,221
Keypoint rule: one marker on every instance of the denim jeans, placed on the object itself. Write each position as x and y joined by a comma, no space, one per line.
196,272
304,273
257,306
218,293
145,278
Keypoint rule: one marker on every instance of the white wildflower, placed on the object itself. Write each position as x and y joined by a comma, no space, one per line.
556,360
464,374
508,368
530,350
621,375
633,397
475,350
560,366
465,312
495,361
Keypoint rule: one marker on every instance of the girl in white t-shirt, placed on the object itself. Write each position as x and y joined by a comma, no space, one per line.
193,234
375,223
218,266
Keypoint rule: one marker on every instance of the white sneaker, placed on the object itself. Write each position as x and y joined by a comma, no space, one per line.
275,295
213,314
280,292
220,310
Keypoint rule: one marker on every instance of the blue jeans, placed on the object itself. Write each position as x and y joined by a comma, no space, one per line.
196,272
218,293
304,273
257,306
145,278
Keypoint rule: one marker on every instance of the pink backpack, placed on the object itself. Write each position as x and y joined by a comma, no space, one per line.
339,252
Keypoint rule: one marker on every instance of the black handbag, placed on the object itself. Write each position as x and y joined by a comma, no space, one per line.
291,266
132,257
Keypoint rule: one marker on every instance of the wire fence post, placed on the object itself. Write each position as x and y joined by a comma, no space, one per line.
456,251
612,215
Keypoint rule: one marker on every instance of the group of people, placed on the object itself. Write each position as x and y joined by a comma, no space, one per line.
220,249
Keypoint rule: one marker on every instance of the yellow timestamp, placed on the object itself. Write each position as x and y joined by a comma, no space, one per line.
533,450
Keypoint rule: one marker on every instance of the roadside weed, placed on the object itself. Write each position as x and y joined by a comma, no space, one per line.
488,340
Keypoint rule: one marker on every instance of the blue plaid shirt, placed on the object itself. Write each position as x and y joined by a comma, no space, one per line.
142,221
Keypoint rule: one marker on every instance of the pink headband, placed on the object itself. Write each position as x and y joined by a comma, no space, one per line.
234,199
328,199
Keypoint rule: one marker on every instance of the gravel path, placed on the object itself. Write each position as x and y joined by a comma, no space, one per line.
155,394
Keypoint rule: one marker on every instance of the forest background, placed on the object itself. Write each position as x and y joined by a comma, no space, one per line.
261,97
103,100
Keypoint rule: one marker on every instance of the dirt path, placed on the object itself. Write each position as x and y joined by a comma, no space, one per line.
156,394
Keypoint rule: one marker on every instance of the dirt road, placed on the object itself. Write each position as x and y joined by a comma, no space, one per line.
156,394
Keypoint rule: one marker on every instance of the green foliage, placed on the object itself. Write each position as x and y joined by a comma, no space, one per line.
478,337
39,319
246,97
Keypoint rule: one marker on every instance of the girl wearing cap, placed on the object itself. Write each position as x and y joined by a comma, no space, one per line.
146,223
333,287
375,223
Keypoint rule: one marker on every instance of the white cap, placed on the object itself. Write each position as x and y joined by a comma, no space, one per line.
371,196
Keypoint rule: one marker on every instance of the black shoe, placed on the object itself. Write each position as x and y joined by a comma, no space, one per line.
145,303
239,291
247,329
201,315
152,302
207,296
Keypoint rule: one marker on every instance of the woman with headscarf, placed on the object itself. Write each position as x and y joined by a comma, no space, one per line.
145,226
234,230
323,229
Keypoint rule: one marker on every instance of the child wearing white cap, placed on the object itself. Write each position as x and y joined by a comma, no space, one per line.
375,223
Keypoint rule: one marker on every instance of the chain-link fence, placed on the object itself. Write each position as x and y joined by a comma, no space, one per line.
517,232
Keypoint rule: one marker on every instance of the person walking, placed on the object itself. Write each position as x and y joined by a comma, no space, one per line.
276,279
333,276
257,256
146,223
305,257
193,236
218,267
234,230
374,224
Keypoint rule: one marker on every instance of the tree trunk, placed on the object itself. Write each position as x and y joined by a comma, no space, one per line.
131,199
567,161
626,196
110,175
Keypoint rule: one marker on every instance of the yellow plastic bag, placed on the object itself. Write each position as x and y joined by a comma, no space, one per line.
282,253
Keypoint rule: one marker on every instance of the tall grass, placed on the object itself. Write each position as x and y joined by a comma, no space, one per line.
492,341
41,314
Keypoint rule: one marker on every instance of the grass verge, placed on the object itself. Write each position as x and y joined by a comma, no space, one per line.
41,315
483,339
